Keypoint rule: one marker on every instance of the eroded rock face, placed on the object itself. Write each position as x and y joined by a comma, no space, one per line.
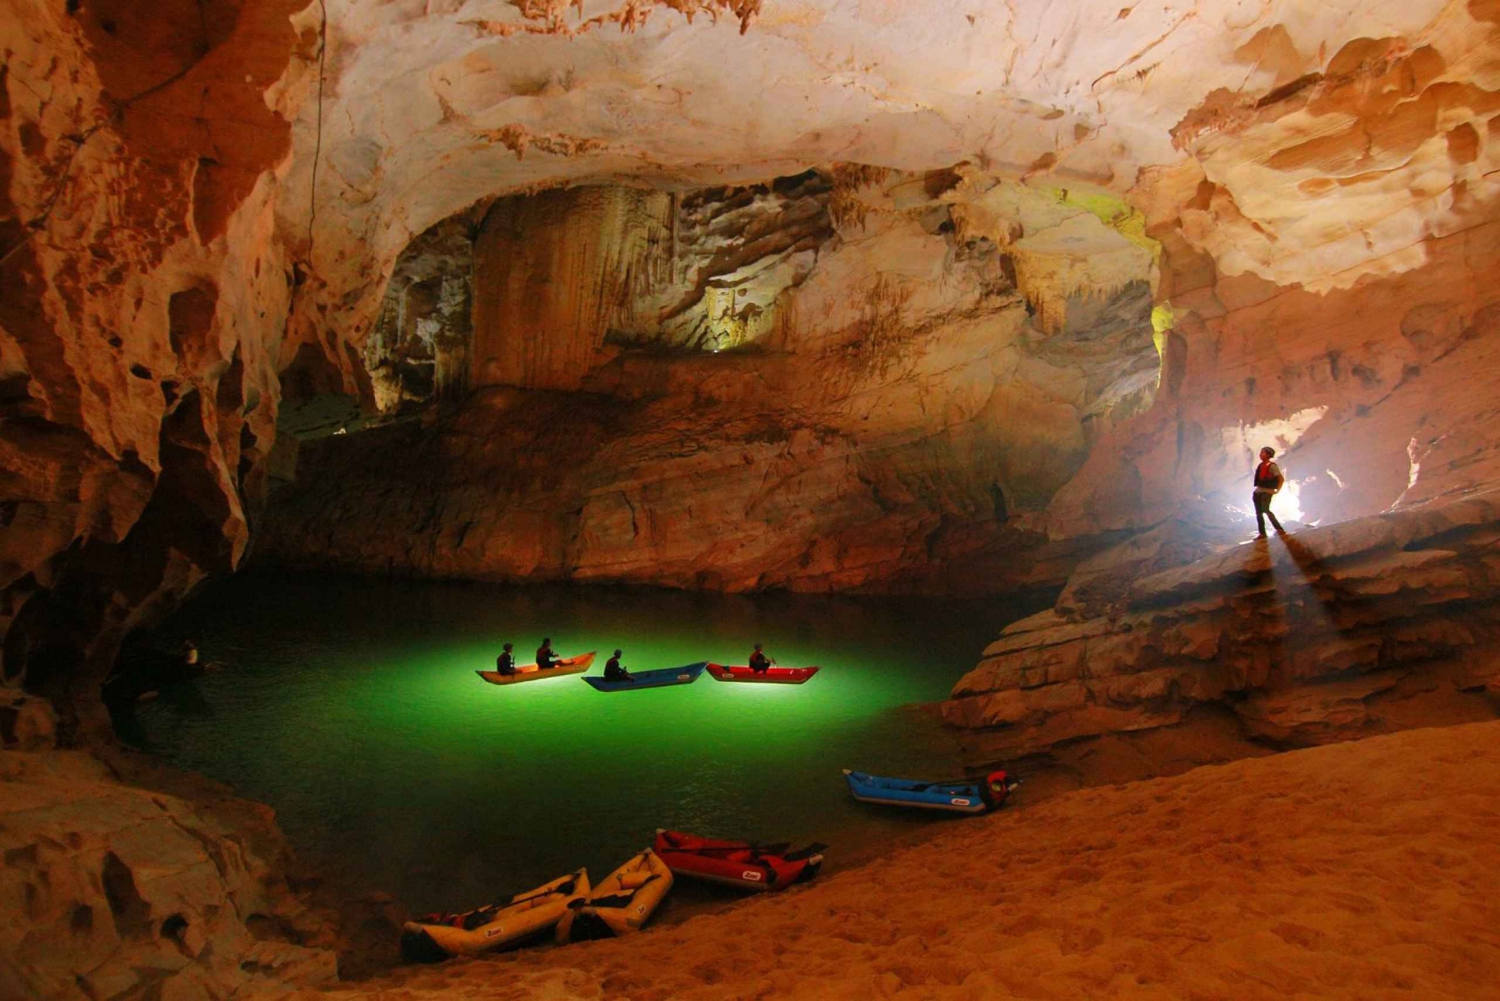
143,297
1321,636
110,890
193,202
899,424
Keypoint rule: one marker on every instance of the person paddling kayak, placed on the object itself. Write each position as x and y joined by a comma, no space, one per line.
545,657
1268,481
759,662
614,672
506,663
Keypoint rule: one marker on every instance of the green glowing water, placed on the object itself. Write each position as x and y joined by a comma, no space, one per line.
352,707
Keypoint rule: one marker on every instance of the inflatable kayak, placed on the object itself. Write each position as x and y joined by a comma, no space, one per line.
958,796
530,672
685,675
770,676
759,868
621,904
434,937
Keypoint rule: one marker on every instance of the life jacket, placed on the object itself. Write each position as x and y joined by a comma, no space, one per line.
505,664
994,789
759,661
1267,475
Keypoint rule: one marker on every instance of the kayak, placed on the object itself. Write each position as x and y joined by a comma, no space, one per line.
770,676
621,904
435,937
957,796
530,672
758,868
685,675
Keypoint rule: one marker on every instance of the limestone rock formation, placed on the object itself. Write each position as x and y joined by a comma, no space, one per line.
144,292
111,890
195,204
1327,634
905,437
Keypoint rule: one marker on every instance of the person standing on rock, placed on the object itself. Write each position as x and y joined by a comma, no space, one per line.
1268,481
545,658
505,664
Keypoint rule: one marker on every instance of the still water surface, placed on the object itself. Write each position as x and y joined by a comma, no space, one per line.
351,706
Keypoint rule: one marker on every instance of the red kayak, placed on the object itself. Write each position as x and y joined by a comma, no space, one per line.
770,676
759,868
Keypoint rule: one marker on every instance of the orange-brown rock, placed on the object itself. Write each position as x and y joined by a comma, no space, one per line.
193,201
885,416
115,890
141,299
1323,635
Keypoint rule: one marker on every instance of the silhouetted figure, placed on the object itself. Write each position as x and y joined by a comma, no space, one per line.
545,658
1268,481
759,662
506,662
613,671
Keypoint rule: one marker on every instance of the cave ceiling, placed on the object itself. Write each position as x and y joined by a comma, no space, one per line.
196,195
1308,143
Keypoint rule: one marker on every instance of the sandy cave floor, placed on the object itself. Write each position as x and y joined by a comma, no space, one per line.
1357,870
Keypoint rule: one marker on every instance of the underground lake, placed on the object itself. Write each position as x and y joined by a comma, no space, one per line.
352,707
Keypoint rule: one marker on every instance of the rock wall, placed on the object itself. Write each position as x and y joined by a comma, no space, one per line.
1329,634
198,203
555,272
419,349
117,890
145,288
903,437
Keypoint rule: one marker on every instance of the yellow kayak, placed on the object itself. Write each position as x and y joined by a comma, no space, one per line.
621,904
530,672
434,937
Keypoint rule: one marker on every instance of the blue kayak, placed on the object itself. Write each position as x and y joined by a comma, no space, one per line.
685,675
957,796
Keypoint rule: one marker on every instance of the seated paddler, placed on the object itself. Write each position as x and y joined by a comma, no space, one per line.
614,672
759,662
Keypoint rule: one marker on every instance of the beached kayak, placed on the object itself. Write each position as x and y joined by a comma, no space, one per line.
770,676
621,904
685,675
758,868
957,796
433,937
530,672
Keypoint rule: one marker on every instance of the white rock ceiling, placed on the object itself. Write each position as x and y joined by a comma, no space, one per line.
431,105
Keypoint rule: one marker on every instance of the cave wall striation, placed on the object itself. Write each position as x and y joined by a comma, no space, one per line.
899,426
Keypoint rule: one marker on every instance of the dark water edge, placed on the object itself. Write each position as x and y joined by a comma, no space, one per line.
349,704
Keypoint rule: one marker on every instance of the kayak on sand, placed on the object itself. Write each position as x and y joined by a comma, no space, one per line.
957,796
434,937
758,868
531,672
621,904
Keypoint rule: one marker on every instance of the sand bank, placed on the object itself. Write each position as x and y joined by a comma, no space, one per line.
1359,870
